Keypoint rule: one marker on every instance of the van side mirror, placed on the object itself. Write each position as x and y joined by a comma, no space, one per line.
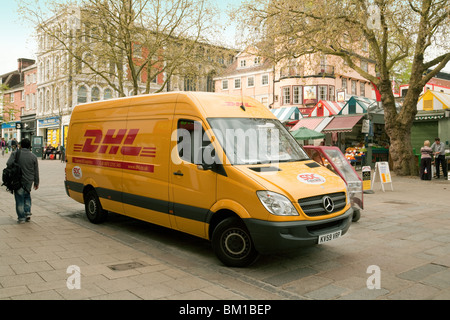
207,157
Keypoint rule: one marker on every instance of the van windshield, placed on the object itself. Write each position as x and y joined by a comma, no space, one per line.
256,141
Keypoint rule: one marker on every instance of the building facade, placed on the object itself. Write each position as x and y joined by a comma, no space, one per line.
248,75
28,112
300,82
13,100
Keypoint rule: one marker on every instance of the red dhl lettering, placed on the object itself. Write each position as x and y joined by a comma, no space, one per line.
238,104
113,142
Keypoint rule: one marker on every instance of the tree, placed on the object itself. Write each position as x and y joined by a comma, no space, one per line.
126,42
393,30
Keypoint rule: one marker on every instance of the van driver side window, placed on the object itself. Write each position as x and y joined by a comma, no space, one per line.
190,140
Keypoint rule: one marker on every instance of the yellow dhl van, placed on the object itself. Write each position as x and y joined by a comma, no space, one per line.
219,167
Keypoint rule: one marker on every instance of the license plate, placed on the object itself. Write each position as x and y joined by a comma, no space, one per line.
329,236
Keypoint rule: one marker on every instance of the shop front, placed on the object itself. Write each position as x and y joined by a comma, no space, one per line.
362,141
10,131
50,129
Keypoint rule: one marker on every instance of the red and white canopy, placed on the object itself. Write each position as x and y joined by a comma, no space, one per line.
326,108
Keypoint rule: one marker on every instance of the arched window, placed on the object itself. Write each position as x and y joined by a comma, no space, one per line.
95,94
47,106
108,94
82,94
57,105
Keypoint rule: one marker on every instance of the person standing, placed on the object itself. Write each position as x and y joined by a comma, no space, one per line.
14,144
3,145
425,161
30,178
439,157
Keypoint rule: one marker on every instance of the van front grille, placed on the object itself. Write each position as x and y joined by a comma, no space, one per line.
323,205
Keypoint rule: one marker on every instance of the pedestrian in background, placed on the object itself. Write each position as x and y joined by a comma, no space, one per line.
439,157
3,145
425,161
30,177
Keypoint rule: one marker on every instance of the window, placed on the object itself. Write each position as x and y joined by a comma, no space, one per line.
331,93
95,94
57,100
297,95
107,94
224,84
243,63
190,149
287,95
362,89
344,84
137,51
250,82
82,94
354,87
190,84
265,101
237,83
365,46
365,65
257,61
210,83
265,79
323,93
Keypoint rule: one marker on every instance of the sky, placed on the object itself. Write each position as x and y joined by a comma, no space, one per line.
17,35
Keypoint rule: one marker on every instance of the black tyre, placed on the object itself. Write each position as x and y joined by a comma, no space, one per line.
94,210
232,243
356,215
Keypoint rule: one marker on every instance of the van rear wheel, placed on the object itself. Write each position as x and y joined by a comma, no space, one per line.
94,210
232,243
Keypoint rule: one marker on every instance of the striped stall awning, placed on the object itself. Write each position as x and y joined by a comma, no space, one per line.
314,123
433,101
326,108
357,105
342,124
287,113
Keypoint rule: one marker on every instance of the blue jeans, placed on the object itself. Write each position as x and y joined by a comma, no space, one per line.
23,203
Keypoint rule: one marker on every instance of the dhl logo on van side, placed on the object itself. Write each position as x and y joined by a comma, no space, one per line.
113,142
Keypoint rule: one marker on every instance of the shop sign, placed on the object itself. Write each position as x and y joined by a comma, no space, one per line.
309,94
49,122
9,125
365,126
366,177
385,175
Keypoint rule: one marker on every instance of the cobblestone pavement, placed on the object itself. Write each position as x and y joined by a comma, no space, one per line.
401,243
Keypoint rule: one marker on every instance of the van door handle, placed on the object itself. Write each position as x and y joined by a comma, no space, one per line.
178,173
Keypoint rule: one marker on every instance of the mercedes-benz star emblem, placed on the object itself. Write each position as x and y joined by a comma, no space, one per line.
328,204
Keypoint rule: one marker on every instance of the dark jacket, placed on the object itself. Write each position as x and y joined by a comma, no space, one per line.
30,170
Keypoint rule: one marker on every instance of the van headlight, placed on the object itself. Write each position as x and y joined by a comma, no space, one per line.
276,203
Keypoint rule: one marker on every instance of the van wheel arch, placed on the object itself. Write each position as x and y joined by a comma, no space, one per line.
217,218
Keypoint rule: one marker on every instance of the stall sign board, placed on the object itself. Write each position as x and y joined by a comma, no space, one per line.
366,177
385,176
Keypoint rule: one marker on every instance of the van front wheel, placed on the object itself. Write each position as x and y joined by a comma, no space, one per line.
232,243
94,210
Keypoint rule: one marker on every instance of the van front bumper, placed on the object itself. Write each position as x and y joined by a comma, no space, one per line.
272,237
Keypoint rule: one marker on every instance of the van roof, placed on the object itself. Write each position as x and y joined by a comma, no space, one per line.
210,105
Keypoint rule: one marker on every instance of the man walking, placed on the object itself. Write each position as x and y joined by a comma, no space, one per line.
30,176
439,157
